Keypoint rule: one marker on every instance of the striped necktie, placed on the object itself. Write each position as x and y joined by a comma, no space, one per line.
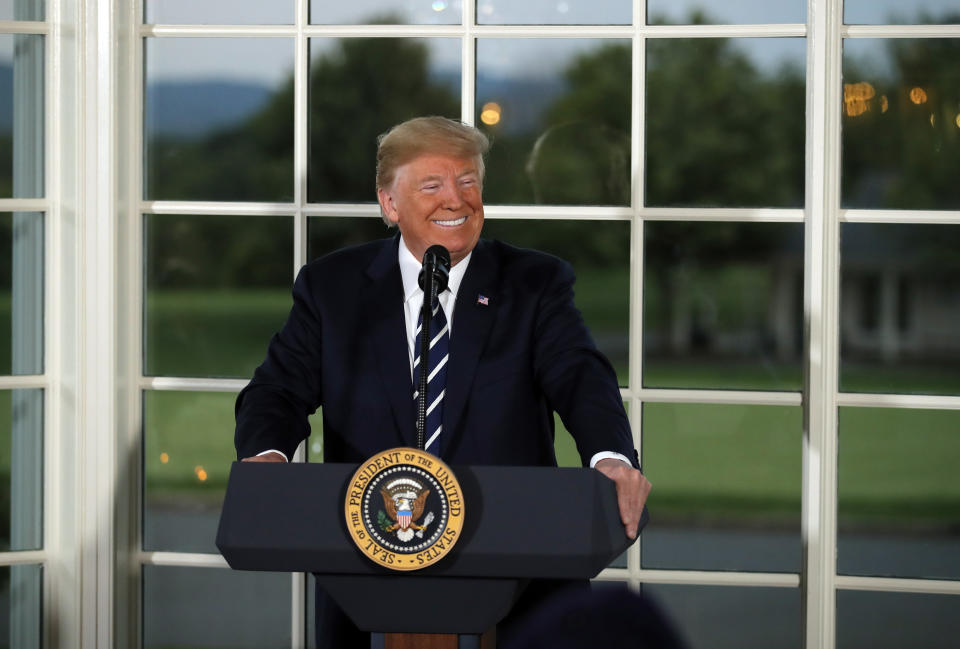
437,377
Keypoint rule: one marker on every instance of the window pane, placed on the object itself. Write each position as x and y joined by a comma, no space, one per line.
558,112
386,12
21,605
599,252
218,288
188,450
898,495
727,487
218,119
725,122
731,617
901,123
212,12
550,12
900,304
21,469
21,115
21,9
741,12
200,608
896,620
723,305
327,234
21,293
355,96
897,12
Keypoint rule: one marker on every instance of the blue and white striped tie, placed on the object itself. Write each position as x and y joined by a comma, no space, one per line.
437,377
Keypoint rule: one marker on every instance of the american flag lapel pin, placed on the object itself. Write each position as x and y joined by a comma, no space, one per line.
483,299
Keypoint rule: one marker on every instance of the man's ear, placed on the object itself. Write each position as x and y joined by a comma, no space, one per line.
386,204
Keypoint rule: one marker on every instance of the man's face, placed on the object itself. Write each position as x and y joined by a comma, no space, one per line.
436,199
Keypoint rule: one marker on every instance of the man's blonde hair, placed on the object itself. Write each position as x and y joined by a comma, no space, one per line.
420,135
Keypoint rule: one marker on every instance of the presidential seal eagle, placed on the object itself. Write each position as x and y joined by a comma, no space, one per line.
404,499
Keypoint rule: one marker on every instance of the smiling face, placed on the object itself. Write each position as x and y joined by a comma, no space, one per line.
436,199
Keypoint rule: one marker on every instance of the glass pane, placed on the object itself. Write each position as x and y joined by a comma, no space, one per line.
21,606
896,620
213,12
898,495
218,288
558,112
200,608
21,115
599,252
21,9
218,119
21,469
897,12
741,12
327,234
21,293
188,450
901,123
386,12
731,617
725,122
355,96
723,305
726,484
551,12
900,304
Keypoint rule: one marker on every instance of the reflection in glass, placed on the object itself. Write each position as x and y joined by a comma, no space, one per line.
21,115
741,12
558,112
896,620
901,123
187,453
212,12
727,487
386,12
900,304
21,606
21,469
21,293
327,234
218,119
218,288
359,88
898,496
725,122
550,12
201,608
599,252
897,12
733,617
21,9
723,305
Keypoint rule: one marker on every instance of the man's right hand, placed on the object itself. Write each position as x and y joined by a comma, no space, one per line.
266,457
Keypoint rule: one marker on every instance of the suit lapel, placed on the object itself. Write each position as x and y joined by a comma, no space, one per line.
384,309
471,325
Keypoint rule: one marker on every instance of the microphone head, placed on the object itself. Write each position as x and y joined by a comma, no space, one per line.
439,258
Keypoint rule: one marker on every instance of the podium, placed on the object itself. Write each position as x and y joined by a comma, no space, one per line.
520,523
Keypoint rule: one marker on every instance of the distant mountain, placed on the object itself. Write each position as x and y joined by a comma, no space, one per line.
198,107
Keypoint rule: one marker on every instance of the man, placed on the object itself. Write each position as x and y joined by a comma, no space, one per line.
518,348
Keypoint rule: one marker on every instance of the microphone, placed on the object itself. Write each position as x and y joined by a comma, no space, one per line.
436,264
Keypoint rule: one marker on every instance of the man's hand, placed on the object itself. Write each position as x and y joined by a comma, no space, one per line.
266,457
632,491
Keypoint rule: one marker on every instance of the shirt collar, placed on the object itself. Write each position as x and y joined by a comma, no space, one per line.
410,272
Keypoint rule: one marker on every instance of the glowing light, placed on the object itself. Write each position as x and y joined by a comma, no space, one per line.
487,9
856,97
933,119
164,458
490,114
884,104
563,7
439,6
957,121
201,473
918,96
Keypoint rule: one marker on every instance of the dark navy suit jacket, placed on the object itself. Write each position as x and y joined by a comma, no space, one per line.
515,358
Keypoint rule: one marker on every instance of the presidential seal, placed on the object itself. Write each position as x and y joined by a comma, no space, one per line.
404,509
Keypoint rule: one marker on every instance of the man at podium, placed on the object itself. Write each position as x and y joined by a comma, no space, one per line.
511,347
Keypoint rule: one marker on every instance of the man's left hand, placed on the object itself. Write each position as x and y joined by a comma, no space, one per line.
632,491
